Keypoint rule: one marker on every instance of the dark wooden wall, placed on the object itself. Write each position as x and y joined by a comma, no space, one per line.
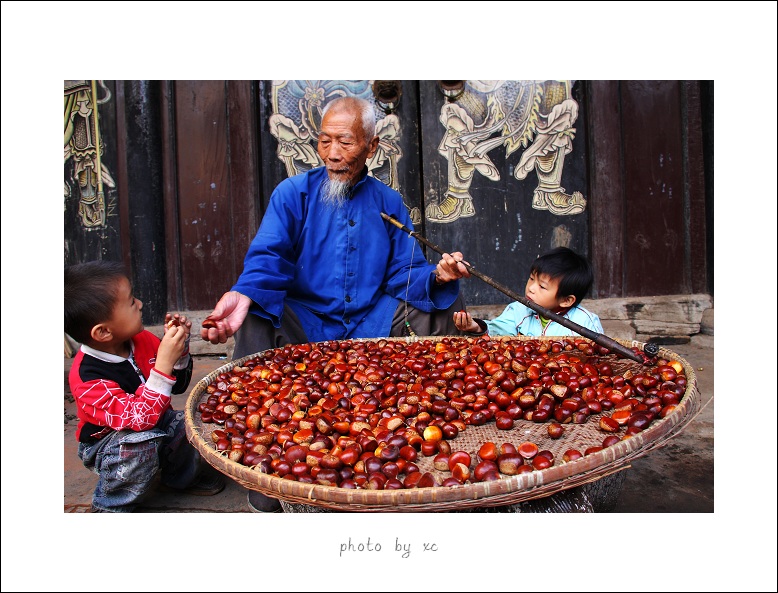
648,188
212,187
195,165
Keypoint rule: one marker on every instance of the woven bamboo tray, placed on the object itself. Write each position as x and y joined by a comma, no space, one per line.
506,491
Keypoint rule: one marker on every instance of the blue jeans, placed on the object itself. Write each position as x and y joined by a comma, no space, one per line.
127,462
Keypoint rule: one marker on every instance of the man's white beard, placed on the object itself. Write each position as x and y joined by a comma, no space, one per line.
335,192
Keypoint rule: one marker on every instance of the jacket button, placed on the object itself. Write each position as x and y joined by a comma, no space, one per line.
351,223
348,299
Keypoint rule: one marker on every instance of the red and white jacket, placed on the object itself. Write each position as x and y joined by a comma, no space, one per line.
113,392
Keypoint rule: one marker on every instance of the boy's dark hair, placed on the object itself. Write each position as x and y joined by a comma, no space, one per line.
90,296
574,271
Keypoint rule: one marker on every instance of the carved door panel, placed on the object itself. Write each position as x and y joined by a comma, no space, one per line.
497,159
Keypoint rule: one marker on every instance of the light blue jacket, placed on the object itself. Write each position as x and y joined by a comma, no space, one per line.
518,319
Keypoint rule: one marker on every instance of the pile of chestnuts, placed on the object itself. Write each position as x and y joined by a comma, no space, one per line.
361,413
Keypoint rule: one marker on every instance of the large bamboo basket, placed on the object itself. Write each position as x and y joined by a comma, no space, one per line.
507,491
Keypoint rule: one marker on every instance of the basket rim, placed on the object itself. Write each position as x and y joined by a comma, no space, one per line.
507,490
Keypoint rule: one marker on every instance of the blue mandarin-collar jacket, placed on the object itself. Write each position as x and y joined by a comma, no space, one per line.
342,270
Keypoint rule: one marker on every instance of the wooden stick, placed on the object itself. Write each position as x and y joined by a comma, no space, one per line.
597,338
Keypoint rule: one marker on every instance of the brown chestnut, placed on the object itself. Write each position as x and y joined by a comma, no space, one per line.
528,450
571,455
555,430
488,451
509,463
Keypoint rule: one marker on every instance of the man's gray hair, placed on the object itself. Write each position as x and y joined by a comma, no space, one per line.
364,107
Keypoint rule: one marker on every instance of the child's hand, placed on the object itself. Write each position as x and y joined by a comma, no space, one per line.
172,319
174,344
464,322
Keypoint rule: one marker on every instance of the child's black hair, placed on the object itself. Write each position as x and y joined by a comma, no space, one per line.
90,296
574,271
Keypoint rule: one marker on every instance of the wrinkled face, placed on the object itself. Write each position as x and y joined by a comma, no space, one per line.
126,320
542,289
343,146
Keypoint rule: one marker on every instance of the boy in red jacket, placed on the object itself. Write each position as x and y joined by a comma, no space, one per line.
122,379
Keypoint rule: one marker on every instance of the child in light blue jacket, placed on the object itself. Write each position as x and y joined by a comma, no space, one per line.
558,281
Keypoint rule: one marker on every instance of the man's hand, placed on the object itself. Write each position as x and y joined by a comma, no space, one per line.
450,267
226,318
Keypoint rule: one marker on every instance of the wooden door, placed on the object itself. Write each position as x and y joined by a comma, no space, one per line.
212,187
499,170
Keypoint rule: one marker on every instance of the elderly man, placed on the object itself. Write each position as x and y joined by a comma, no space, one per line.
325,265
